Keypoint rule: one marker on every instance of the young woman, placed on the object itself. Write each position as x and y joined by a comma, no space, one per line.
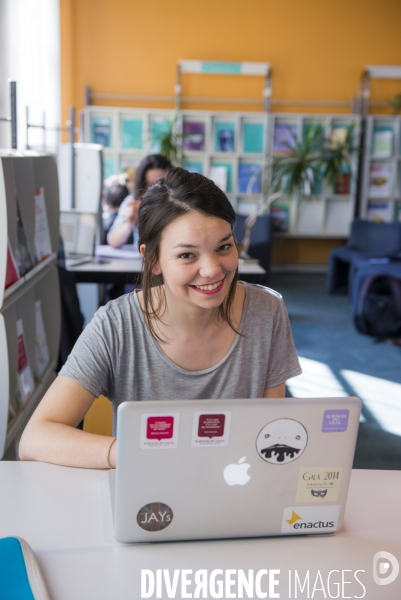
122,231
193,331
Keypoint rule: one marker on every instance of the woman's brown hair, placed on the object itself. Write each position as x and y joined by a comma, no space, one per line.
178,193
152,161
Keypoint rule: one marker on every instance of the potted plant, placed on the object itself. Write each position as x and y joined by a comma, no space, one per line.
336,160
170,141
298,171
310,163
312,160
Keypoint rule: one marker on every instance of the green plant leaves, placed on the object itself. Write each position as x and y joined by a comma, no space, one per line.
309,161
170,142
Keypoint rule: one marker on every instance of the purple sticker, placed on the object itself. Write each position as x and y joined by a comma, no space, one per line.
335,420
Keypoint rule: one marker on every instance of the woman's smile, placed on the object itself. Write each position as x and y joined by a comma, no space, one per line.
209,288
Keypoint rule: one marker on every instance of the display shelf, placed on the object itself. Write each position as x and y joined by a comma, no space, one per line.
330,211
30,317
381,175
209,139
17,424
241,142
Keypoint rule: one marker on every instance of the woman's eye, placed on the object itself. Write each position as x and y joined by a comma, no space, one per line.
186,255
224,247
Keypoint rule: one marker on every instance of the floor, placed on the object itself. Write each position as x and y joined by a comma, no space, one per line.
339,361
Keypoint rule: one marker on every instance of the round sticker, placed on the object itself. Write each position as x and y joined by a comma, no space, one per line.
282,441
154,516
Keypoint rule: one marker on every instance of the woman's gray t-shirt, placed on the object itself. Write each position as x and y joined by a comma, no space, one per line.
117,356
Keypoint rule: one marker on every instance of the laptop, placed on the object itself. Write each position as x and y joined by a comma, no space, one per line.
78,230
214,469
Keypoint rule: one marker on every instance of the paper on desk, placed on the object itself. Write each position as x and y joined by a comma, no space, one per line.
126,251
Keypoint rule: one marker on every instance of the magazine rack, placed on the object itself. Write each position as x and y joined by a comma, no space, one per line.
129,134
330,211
208,67
381,176
20,175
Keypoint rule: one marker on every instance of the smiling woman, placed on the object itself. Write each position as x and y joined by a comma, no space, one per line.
193,332
186,239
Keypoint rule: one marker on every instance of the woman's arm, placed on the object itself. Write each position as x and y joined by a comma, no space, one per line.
118,236
51,434
275,392
122,227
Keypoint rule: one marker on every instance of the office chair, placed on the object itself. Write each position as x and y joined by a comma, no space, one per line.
368,240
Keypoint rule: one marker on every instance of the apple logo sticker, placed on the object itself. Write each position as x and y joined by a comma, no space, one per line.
281,441
237,474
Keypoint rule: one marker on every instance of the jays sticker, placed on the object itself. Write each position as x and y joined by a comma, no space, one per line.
211,429
282,441
318,484
154,516
159,431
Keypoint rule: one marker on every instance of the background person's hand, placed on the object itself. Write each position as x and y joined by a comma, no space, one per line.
131,211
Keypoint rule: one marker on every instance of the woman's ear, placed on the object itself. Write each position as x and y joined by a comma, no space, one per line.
155,269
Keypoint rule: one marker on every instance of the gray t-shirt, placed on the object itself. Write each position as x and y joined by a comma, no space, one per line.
117,356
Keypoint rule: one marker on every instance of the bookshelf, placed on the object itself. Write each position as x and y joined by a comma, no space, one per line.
30,306
330,212
241,142
381,182
236,141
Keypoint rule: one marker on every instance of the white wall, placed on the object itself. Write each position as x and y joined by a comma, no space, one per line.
30,54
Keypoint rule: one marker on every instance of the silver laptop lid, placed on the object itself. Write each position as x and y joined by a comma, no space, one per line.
204,469
78,230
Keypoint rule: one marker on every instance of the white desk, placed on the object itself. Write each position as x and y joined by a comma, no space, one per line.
65,515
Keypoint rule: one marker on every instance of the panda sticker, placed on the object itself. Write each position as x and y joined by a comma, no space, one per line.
281,441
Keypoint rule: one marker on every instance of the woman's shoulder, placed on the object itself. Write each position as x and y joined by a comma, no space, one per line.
120,309
259,295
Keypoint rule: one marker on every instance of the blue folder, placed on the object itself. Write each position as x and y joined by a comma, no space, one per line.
20,576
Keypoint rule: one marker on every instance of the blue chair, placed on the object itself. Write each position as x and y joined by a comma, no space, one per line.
261,236
368,240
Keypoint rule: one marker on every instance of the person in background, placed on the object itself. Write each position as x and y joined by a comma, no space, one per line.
152,168
113,197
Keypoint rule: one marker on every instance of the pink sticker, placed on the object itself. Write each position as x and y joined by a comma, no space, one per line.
211,426
211,429
160,428
159,431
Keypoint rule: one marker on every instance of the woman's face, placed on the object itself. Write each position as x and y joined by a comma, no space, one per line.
198,259
153,175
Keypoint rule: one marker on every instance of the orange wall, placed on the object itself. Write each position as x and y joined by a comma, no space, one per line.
317,48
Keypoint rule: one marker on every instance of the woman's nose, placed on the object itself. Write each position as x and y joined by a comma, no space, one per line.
210,267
